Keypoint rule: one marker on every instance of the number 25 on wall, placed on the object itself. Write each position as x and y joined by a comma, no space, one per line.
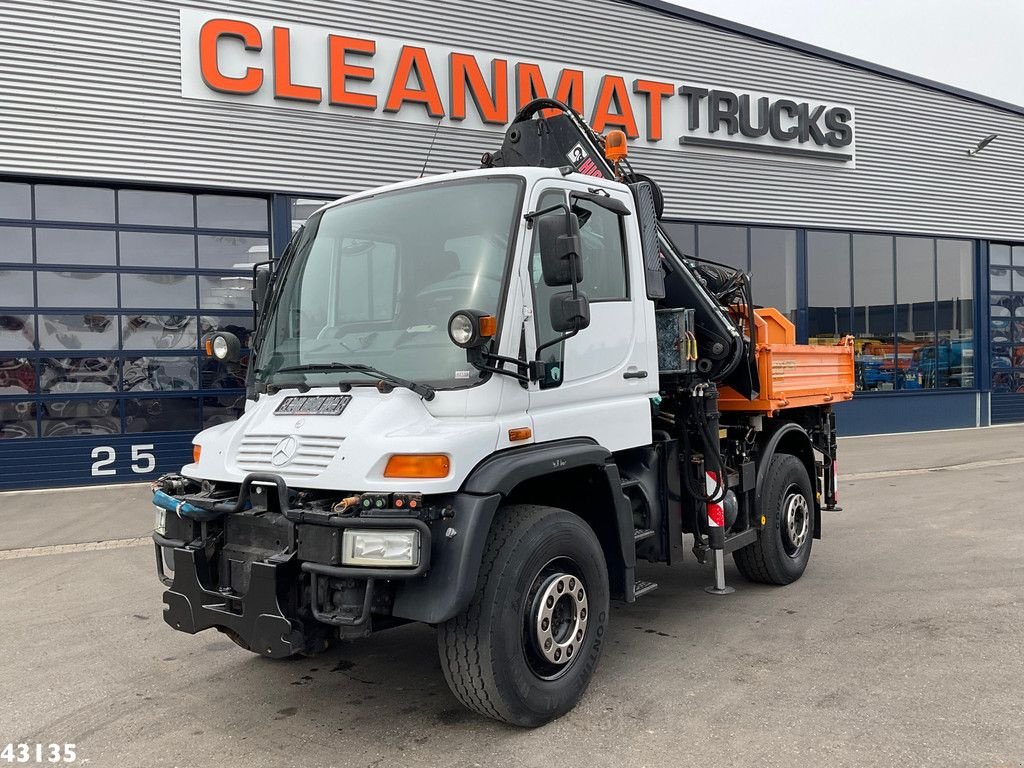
143,460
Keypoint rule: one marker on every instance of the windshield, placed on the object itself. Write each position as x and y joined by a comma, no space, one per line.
374,281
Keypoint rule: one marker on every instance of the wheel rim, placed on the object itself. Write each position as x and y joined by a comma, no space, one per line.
557,611
796,520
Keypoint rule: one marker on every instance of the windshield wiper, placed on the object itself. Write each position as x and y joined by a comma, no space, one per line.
423,390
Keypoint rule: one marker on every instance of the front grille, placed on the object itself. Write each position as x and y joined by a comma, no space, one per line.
312,454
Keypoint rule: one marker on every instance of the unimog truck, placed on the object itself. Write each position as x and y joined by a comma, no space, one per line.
481,401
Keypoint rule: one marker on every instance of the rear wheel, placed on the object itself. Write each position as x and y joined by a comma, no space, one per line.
526,648
781,552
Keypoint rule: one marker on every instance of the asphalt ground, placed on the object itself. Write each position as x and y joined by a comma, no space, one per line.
902,645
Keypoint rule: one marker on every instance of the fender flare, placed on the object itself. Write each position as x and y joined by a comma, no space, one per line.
792,439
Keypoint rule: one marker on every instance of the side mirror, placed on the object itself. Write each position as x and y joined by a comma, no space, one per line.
559,248
260,288
568,312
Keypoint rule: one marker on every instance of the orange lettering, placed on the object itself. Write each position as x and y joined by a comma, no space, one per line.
466,72
209,35
614,94
284,88
654,91
413,60
530,84
570,88
338,48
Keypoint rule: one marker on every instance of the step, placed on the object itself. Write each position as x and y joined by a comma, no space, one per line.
630,482
641,588
642,534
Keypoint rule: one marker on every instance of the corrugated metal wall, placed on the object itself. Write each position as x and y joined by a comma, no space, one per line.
91,89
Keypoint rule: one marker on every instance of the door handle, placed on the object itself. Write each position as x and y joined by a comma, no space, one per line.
635,375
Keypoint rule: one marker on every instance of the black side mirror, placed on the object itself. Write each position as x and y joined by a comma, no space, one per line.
568,312
559,248
260,288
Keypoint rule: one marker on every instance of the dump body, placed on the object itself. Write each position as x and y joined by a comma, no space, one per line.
793,375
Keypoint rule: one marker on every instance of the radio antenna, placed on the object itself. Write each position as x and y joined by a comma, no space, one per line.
430,149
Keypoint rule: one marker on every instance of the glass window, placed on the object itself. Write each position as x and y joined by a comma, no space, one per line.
727,245
16,289
72,375
248,214
86,247
227,252
75,332
220,410
240,325
159,332
73,418
828,287
225,291
603,254
17,333
160,374
86,204
954,363
773,269
174,291
157,249
683,235
15,200
161,209
16,245
303,208
17,376
77,289
553,356
915,312
1018,268
220,375
164,414
874,313
999,254
17,420
374,264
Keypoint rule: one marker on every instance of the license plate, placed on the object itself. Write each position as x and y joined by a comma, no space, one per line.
161,522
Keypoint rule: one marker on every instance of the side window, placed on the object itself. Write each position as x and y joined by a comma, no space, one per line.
554,355
604,255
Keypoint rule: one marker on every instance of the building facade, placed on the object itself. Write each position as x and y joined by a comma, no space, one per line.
152,152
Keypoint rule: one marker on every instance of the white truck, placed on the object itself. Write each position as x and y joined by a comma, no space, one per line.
477,401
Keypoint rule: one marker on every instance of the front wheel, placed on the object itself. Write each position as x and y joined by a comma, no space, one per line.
781,552
526,648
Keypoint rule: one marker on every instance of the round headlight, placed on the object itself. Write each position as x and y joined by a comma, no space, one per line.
220,347
461,329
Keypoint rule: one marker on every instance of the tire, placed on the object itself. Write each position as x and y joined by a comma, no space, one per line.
493,656
781,552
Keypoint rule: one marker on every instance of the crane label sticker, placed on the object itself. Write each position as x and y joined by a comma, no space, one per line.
577,154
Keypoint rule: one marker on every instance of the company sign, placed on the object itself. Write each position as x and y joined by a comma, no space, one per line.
247,60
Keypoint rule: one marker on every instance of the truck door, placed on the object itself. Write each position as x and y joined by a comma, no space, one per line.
598,383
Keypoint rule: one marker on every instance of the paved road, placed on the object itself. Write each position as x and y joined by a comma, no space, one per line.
901,646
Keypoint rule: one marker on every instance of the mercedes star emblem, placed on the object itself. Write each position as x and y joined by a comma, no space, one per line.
284,451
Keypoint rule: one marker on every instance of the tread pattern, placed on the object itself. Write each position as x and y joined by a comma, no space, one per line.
466,669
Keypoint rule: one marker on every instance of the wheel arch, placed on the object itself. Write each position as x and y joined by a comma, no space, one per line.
792,439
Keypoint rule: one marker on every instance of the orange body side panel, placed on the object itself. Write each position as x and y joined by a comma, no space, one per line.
793,375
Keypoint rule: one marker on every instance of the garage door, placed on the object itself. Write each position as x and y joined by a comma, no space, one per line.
1006,331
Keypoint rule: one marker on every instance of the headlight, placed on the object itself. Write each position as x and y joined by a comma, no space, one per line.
380,548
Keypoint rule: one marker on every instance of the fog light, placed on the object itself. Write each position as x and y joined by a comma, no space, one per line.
381,548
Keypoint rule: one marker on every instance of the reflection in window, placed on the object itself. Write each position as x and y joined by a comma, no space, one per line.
225,291
773,269
17,420
77,332
603,256
226,252
160,374
159,332
915,313
16,245
828,287
726,245
15,200
224,375
874,315
304,207
220,410
162,209
954,362
683,235
73,418
248,214
85,247
164,414
240,325
157,249
77,289
17,376
85,204
72,375
174,291
17,333
16,289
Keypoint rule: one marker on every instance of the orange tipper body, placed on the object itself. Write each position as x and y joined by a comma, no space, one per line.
793,375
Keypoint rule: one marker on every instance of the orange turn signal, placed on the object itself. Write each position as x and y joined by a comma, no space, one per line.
488,326
519,433
615,148
415,465
197,451
209,347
